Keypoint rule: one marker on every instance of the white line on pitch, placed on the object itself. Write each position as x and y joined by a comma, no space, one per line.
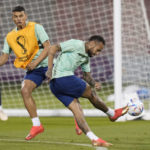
49,142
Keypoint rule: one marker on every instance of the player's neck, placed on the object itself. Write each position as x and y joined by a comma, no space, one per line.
21,27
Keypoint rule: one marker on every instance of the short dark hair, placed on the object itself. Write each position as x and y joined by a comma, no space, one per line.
97,38
18,8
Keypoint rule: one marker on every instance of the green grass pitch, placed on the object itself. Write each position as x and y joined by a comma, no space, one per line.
59,134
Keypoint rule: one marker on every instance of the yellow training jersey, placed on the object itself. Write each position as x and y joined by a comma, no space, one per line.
24,44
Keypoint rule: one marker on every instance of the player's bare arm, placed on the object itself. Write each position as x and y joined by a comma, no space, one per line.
88,78
51,54
41,57
3,58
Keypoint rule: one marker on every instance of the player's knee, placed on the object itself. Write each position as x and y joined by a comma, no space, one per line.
87,93
90,93
27,87
25,91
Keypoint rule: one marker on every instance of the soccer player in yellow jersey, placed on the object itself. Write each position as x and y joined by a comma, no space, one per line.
30,44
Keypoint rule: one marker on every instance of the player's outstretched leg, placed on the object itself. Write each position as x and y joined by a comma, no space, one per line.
78,130
99,104
35,130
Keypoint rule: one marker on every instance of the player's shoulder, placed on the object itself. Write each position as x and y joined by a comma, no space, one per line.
72,43
11,32
33,24
39,26
75,41
36,24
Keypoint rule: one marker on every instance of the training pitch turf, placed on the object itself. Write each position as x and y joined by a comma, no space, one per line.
60,134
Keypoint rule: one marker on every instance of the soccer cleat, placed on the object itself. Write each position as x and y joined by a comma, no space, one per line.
3,116
100,142
35,130
119,112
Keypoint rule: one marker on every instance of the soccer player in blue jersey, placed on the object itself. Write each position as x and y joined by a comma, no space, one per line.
68,88
30,43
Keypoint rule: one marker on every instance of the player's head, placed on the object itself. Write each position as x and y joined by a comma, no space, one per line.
94,45
19,16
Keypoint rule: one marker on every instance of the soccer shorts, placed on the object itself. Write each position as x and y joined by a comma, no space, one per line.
67,88
36,75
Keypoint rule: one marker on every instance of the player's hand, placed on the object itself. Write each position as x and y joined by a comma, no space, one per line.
49,74
31,66
97,86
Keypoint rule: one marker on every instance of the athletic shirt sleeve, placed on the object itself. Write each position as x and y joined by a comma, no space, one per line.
86,66
41,36
67,46
41,33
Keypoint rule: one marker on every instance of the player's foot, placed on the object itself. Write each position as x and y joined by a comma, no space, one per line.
119,112
3,116
35,130
100,142
78,131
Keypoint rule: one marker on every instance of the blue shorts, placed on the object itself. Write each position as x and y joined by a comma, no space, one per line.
67,88
36,75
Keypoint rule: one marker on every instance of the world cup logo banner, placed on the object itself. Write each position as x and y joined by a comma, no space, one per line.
22,42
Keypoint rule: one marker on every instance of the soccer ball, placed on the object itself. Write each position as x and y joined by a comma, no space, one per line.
135,107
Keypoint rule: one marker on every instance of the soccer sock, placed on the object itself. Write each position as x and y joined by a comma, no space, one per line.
36,121
110,112
91,135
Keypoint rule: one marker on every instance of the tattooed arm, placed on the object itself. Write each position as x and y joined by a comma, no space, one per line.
51,53
88,78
